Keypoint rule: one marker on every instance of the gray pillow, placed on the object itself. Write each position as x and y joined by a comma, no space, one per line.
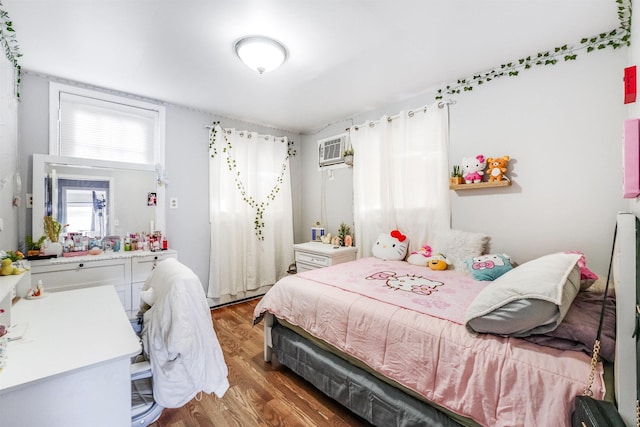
532,298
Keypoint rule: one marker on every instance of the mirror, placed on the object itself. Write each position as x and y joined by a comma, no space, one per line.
96,198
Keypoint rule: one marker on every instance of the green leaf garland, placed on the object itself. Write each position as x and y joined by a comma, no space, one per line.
616,38
10,44
260,207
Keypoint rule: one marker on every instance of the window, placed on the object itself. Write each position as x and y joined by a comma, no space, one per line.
95,125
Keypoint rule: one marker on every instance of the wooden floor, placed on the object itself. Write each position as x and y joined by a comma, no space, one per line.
261,394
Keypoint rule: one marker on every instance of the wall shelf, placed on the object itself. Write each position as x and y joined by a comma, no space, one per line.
502,183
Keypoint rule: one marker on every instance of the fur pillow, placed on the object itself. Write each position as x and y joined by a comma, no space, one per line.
458,246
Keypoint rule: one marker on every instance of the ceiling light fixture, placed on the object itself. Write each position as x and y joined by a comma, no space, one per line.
261,53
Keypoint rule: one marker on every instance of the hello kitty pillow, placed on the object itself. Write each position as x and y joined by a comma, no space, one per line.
391,246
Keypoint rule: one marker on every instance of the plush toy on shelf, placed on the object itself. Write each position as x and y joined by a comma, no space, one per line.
497,168
473,168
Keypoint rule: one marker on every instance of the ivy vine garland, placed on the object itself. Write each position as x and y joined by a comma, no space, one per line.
259,207
10,44
614,39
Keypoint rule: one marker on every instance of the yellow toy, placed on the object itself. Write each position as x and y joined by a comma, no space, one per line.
438,262
496,168
7,268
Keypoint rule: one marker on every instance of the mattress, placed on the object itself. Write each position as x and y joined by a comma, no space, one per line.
494,381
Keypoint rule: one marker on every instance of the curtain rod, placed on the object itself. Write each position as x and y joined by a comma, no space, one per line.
410,113
266,137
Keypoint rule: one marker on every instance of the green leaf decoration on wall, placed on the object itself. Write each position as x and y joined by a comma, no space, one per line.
10,45
259,207
614,39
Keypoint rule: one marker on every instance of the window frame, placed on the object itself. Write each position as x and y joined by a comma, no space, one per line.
56,88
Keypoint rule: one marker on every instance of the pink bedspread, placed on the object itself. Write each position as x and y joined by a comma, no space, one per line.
444,294
493,380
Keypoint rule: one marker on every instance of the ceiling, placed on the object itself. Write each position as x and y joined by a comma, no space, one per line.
345,56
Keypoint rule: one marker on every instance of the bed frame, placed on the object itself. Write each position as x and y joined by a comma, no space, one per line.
626,276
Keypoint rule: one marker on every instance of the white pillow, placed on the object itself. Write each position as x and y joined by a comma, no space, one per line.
532,298
458,245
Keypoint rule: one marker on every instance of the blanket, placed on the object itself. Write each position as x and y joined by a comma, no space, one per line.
179,339
443,294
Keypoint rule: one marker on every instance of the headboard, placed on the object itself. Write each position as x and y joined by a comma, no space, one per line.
625,274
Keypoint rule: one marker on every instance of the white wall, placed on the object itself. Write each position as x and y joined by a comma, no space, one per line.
187,157
560,124
8,157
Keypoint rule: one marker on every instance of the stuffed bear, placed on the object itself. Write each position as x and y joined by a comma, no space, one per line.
391,246
473,168
420,257
497,168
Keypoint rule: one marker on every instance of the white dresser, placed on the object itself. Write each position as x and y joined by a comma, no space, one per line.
126,271
312,255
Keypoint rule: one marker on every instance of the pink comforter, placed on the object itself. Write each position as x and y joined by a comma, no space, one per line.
493,380
444,294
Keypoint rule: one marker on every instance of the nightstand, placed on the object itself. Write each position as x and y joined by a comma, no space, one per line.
312,255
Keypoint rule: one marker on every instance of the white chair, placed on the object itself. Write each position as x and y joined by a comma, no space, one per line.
180,346
144,410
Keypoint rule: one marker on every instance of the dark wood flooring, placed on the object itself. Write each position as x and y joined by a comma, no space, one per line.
261,394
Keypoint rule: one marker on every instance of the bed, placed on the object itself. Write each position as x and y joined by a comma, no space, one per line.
422,357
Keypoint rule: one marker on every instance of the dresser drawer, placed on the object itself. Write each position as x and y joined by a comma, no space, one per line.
58,277
313,259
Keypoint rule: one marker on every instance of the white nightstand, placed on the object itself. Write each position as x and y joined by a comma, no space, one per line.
312,255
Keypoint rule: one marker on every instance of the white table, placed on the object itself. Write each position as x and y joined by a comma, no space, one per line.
72,367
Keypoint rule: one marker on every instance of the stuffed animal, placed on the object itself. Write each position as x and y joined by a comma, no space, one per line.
497,168
438,262
7,268
420,257
473,168
489,267
391,246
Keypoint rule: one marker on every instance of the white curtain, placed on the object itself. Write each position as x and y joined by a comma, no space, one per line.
250,211
400,176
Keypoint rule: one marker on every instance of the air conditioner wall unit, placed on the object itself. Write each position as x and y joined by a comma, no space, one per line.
330,150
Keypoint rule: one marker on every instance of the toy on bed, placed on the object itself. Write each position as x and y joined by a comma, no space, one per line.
489,267
473,168
391,246
497,168
438,262
420,257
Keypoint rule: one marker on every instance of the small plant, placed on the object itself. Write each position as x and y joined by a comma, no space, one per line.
347,152
52,228
456,173
343,231
34,245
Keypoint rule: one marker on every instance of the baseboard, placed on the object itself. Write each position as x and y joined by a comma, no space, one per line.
225,300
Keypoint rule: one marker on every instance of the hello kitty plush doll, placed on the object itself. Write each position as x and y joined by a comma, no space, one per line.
473,168
391,246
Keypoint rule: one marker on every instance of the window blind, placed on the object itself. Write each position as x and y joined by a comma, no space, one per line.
98,129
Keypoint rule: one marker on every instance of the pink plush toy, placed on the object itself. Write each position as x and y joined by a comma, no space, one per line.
473,168
420,257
